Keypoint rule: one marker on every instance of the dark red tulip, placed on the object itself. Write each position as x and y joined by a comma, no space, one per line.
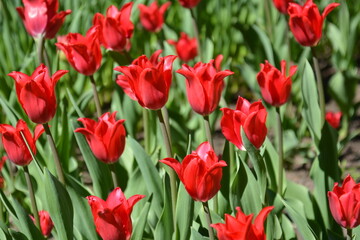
200,172
204,84
249,117
275,86
186,47
112,217
46,224
189,3
83,53
14,144
241,226
147,81
40,17
333,118
106,137
306,22
282,5
36,93
152,17
115,28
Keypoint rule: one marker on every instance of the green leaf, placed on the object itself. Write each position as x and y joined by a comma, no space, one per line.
184,212
141,222
195,235
266,44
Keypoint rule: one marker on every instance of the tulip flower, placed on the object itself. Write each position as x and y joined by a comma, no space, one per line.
189,3
200,172
116,28
282,5
83,53
152,17
112,217
14,144
241,226
46,224
36,93
106,137
249,117
147,81
40,17
344,203
275,85
333,118
306,22
204,84
186,48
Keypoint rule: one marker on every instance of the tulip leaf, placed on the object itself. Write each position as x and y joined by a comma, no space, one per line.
4,232
195,235
60,206
184,212
141,223
266,44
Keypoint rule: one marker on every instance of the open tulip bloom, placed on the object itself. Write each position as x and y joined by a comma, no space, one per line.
186,47
152,17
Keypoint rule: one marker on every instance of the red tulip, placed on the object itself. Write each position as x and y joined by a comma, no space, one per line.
46,224
200,172
116,28
83,53
249,117
152,17
241,226
147,81
186,48
275,85
40,17
204,84
106,137
36,93
14,144
112,217
344,203
282,5
306,22
333,118
189,3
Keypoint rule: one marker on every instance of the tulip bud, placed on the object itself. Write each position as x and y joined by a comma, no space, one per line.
333,118
282,5
186,48
189,3
46,224
152,17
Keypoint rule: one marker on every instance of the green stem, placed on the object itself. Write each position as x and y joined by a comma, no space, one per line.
280,152
146,130
47,60
40,48
319,86
196,31
113,174
2,212
349,234
208,219
32,197
96,96
30,150
165,114
55,153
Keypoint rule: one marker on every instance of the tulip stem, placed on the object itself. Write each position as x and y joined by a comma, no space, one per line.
31,153
280,152
146,130
32,197
55,153
2,212
349,233
208,219
40,49
96,96
113,174
196,31
319,86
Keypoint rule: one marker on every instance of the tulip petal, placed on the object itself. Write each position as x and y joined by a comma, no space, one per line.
174,164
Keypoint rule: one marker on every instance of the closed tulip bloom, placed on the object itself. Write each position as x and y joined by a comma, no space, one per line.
189,3
275,86
249,117
83,53
282,5
186,47
116,27
46,224
306,22
344,203
241,226
204,84
112,217
14,144
333,118
147,81
200,172
106,137
36,93
152,17
40,17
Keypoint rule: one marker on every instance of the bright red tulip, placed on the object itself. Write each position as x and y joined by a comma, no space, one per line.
282,5
14,144
249,117
112,217
36,93
152,17
83,53
40,17
189,3
116,28
306,22
46,224
200,172
106,137
204,84
186,48
333,118
241,226
344,203
275,85
147,81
